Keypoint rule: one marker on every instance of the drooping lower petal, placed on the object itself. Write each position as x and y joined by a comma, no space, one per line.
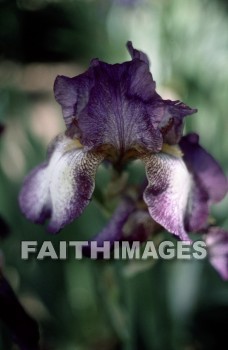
167,193
217,245
61,188
197,210
204,167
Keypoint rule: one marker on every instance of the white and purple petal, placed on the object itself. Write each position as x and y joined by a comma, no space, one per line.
61,188
167,193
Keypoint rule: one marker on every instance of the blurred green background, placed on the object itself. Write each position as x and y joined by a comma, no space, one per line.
83,305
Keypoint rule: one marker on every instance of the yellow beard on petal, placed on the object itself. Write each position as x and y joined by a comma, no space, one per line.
173,150
74,144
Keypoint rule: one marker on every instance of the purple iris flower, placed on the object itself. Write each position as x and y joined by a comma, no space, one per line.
113,113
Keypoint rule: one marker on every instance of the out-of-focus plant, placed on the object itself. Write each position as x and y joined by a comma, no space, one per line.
111,305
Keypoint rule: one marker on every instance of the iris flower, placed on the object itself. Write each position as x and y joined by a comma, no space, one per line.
114,114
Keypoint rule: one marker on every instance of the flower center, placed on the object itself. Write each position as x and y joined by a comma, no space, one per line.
173,150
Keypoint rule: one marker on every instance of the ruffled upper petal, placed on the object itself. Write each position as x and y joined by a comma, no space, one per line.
169,118
117,105
167,193
204,167
61,188
136,54
73,94
116,113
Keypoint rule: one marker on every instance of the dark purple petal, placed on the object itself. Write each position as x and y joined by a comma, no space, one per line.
169,117
136,54
167,193
139,226
73,94
204,167
217,245
117,105
116,113
127,223
197,210
209,182
62,187
23,328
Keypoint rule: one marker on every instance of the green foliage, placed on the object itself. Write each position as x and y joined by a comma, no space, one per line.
83,305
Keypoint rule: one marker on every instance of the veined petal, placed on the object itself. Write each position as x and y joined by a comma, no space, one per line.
116,113
117,105
217,244
204,167
167,193
61,188
73,94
